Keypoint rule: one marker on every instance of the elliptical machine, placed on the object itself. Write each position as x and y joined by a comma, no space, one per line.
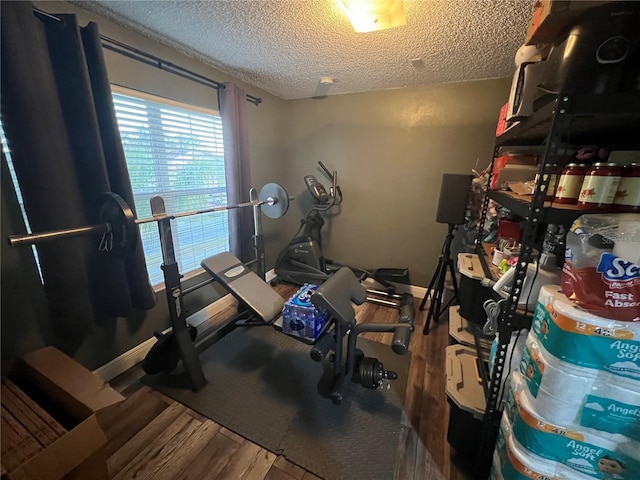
302,260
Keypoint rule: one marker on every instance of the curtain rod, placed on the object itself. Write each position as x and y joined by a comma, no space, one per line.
154,61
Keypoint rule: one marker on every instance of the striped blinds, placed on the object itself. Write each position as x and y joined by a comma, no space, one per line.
175,151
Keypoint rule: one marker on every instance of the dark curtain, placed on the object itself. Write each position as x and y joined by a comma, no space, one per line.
233,111
63,139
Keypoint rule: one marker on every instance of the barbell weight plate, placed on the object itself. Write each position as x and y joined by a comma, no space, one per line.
369,371
277,193
114,211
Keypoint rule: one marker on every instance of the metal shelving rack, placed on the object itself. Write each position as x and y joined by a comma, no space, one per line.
564,121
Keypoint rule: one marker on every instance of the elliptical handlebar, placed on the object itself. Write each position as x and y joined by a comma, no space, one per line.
335,193
326,170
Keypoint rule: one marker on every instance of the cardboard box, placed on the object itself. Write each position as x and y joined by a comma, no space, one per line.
72,395
499,164
502,120
552,18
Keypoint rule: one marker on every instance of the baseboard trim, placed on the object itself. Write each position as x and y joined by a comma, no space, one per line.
124,362
132,357
416,291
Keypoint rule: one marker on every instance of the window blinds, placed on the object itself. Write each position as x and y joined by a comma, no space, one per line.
175,151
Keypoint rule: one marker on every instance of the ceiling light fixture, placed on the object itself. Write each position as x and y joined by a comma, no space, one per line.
327,80
372,15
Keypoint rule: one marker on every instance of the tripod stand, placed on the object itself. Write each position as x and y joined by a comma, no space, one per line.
437,283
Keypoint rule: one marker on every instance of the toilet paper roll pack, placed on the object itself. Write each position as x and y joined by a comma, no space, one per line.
583,450
516,462
583,339
566,394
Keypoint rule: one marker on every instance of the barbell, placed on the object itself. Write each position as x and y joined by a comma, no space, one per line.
115,218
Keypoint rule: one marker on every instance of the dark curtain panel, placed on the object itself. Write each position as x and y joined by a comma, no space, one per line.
233,111
63,139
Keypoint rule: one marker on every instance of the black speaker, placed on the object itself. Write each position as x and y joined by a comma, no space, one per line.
454,198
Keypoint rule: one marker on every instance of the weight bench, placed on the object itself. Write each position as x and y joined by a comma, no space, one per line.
335,296
260,305
253,293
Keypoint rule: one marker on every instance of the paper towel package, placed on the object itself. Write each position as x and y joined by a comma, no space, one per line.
583,339
516,462
601,271
584,450
566,394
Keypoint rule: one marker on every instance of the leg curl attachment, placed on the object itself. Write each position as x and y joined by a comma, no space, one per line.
336,296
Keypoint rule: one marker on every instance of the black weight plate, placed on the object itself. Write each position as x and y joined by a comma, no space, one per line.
114,211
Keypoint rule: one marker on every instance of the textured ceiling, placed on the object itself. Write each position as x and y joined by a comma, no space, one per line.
286,46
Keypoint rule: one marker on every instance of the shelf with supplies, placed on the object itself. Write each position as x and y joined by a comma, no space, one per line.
566,121
593,104
520,205
594,119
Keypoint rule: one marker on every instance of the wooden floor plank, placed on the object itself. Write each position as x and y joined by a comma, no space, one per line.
188,446
212,459
406,460
129,450
426,467
151,453
251,462
130,417
413,395
275,473
289,468
232,435
170,453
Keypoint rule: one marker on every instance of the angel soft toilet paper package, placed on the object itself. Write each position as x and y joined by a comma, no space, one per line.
566,394
586,340
513,461
582,450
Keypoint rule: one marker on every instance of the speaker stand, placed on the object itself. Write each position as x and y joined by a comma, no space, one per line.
437,283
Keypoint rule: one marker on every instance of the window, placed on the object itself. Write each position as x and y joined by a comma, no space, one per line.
16,186
175,151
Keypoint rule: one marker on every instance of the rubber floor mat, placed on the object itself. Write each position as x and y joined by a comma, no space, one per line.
263,385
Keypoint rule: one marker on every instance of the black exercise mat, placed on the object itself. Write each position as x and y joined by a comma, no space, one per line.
263,385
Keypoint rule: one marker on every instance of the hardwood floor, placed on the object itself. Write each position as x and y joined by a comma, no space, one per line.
151,436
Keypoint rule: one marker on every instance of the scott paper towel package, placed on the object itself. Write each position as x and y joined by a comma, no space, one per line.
583,339
601,272
583,450
566,394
